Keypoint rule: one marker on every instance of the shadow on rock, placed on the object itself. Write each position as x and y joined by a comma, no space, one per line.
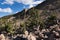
19,38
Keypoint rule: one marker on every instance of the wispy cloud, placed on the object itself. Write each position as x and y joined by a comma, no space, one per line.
8,2
31,3
9,10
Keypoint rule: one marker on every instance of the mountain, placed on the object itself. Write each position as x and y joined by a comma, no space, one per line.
42,21
43,16
50,6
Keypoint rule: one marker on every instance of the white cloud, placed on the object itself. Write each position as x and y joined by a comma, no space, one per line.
16,11
25,2
9,10
37,2
30,6
34,4
8,2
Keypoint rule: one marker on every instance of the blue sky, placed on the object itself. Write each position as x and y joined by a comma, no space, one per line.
8,7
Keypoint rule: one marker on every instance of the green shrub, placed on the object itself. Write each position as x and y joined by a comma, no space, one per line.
51,20
9,28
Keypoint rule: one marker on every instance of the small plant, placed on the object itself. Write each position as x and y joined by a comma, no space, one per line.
51,20
9,28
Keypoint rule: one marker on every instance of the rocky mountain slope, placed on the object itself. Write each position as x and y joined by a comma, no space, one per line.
40,22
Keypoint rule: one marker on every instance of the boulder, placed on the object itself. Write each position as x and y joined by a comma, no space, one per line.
31,37
2,37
